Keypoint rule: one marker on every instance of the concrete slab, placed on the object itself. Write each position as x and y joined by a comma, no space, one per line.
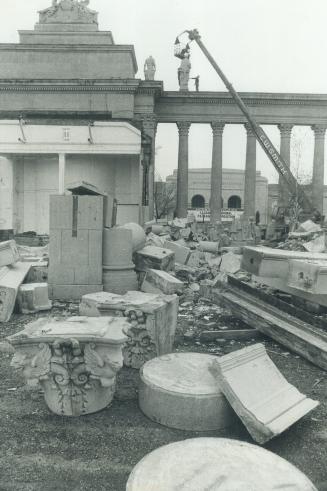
179,391
203,464
263,399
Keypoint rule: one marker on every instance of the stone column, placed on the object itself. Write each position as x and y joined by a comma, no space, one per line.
6,194
149,125
216,171
318,167
250,173
285,152
182,172
61,175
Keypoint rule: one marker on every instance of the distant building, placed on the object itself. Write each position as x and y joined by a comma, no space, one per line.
232,190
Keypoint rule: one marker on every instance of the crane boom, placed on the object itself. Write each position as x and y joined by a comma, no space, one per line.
280,165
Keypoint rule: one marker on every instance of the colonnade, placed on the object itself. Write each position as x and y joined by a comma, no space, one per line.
250,168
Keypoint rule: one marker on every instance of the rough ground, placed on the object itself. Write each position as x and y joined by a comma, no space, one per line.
44,452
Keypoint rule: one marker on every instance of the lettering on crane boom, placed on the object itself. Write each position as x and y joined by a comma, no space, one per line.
273,154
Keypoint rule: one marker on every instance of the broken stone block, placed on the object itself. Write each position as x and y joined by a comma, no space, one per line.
8,253
74,360
315,245
157,281
200,464
138,235
11,277
33,297
151,257
273,263
195,259
182,253
179,391
230,263
309,226
263,399
309,276
207,246
38,272
153,330
155,240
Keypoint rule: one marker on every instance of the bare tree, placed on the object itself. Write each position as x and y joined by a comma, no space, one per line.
164,197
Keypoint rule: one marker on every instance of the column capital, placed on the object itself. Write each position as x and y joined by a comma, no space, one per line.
149,123
319,130
249,130
285,129
217,128
183,127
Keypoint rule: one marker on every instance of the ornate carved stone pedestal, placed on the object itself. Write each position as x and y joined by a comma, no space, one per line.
153,321
75,361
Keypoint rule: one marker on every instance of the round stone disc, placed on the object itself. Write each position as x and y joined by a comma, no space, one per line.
218,464
179,391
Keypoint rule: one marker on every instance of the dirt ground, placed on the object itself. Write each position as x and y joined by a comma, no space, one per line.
44,452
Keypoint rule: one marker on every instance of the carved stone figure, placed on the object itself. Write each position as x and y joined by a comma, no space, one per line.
139,347
184,72
67,11
149,68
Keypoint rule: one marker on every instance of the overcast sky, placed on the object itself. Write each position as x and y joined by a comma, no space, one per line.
261,45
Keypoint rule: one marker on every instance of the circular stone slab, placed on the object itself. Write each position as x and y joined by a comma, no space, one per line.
218,464
178,390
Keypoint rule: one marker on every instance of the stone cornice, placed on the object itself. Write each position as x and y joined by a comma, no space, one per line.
74,85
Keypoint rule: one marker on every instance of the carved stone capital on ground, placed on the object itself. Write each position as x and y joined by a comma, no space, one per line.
319,130
183,127
285,130
140,347
217,128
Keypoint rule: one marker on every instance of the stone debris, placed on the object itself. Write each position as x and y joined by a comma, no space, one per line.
182,253
157,281
11,277
9,253
178,391
199,464
151,257
154,321
230,263
263,399
33,297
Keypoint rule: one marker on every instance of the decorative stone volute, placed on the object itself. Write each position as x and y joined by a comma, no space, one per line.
68,11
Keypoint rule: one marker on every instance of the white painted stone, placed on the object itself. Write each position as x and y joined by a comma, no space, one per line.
263,399
33,297
179,391
216,464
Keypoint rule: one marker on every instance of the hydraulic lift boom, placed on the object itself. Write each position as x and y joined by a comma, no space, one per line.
280,165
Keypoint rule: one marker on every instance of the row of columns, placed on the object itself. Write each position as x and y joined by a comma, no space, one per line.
250,168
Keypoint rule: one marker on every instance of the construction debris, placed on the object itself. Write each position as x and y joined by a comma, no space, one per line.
151,257
157,281
11,277
259,394
33,297
182,253
8,253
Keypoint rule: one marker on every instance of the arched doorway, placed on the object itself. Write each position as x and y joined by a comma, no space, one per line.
198,201
234,202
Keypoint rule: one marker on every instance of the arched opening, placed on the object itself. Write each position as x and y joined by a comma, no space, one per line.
198,201
234,202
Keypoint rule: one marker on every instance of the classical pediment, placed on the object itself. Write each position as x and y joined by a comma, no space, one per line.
68,12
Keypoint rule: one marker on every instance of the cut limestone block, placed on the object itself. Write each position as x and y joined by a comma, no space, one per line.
230,263
157,281
74,360
8,253
309,276
33,297
154,319
195,259
263,399
11,277
38,272
273,263
182,253
179,391
72,292
151,257
208,246
138,237
203,464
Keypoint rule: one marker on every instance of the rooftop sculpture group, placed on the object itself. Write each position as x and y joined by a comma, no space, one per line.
68,11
